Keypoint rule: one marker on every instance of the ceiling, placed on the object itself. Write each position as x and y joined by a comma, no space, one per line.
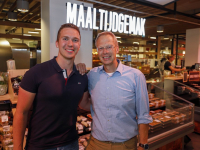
176,17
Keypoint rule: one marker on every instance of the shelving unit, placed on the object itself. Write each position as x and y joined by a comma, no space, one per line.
11,74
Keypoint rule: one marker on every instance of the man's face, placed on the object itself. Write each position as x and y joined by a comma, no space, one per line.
172,58
68,43
107,49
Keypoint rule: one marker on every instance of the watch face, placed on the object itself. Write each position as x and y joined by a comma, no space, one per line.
146,146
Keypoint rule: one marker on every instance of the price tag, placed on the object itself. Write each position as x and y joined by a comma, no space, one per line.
6,128
1,78
4,118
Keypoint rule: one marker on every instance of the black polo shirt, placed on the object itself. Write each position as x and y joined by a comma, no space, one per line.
167,65
53,121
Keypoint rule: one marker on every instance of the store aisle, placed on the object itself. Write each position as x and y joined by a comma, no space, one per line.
194,144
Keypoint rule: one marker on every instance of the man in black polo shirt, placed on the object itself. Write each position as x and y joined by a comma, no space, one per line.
54,88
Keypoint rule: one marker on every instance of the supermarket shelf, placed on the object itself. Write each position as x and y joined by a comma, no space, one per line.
136,45
152,53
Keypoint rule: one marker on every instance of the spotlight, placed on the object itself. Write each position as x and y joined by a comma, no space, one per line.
22,5
160,28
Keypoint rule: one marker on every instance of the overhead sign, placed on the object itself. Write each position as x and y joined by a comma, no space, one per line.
85,17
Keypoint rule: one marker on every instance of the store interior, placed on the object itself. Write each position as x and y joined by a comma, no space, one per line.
167,31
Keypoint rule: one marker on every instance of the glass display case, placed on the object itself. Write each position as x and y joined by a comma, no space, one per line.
173,116
190,91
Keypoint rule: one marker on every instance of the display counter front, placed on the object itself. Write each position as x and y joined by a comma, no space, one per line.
173,117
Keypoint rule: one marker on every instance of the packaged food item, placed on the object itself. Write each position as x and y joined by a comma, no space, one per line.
78,118
182,117
176,119
4,120
85,124
151,113
89,116
162,102
83,118
155,125
158,111
166,121
79,128
157,103
151,95
152,105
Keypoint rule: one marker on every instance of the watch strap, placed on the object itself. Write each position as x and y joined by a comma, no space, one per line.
145,146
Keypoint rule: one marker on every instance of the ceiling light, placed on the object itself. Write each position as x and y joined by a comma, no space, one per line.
22,5
154,43
152,37
183,52
34,32
160,28
15,38
136,43
118,37
12,16
162,2
37,29
166,37
26,34
119,41
4,43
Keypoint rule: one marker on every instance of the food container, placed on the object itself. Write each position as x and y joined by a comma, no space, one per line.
155,125
166,121
162,102
151,105
151,95
176,119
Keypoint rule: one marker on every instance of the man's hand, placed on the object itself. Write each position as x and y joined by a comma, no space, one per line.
81,67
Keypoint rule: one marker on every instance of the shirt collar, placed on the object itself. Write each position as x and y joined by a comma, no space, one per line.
119,67
59,69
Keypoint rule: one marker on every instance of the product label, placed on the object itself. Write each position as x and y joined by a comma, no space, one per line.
4,118
1,78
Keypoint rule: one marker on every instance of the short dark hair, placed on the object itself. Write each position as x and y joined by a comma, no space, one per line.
67,25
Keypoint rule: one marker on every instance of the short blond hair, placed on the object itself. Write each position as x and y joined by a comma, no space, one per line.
107,33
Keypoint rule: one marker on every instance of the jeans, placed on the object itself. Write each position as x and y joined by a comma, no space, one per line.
71,146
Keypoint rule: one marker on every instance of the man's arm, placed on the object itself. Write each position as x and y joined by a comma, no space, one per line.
143,134
24,103
85,102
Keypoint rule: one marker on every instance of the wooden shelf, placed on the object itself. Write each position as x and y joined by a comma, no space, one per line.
96,61
121,57
181,48
136,45
133,37
149,53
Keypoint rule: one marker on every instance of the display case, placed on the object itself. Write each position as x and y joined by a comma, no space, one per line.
191,92
173,117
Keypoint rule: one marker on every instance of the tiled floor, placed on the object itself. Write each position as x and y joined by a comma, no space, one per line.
194,144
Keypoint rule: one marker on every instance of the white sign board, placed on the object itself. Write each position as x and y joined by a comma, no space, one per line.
109,21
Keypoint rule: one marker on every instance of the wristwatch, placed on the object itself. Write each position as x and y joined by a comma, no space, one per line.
145,146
